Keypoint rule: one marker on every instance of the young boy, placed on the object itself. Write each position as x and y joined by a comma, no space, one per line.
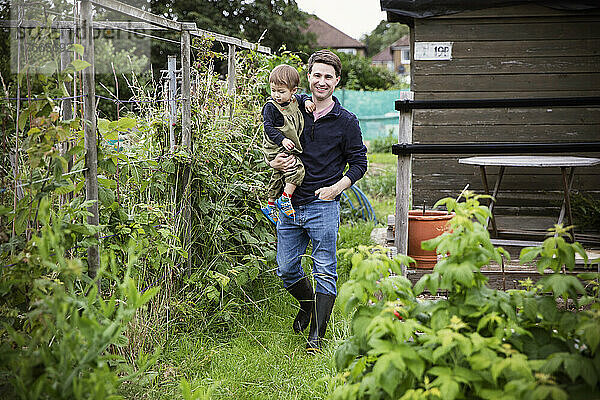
283,123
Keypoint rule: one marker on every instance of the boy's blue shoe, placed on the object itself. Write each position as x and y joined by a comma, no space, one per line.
270,213
285,206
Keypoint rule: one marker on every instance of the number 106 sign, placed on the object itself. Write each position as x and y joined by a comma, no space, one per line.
433,50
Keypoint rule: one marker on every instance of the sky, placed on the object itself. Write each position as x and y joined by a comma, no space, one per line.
353,17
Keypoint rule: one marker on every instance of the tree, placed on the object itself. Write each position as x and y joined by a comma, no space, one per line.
273,23
359,74
383,35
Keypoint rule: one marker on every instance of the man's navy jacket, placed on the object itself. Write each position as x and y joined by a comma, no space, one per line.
328,144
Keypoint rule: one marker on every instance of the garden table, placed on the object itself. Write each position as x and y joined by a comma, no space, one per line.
562,162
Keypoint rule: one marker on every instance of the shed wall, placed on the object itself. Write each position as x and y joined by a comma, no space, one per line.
511,52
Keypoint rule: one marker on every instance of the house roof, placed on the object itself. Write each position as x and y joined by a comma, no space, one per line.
402,42
329,36
406,10
386,54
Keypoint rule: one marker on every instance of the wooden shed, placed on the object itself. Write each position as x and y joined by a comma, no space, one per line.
502,50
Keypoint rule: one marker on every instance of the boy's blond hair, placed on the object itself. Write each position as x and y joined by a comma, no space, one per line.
285,75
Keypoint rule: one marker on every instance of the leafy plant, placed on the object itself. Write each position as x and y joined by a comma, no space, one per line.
383,144
477,342
379,184
58,342
586,210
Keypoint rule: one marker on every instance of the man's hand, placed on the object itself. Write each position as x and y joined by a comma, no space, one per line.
288,144
283,162
331,192
310,106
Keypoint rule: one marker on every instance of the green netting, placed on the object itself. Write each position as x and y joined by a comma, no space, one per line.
375,110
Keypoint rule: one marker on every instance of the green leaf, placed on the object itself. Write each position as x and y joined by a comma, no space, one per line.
77,48
591,333
249,238
562,285
107,183
547,308
345,354
126,123
64,188
103,126
106,196
416,366
528,254
530,309
448,386
386,374
80,64
588,372
573,365
23,118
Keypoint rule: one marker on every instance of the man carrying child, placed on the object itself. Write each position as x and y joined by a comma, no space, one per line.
330,140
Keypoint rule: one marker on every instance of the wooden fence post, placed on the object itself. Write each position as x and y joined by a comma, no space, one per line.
186,106
186,141
403,180
66,105
172,96
231,79
90,135
65,60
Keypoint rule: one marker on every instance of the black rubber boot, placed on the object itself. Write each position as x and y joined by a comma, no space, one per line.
318,322
303,292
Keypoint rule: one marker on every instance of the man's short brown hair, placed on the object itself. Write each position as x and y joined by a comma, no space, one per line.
285,75
325,57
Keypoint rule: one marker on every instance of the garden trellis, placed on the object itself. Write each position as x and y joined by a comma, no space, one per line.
85,25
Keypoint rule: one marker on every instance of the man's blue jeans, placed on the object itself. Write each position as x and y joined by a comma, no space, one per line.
318,222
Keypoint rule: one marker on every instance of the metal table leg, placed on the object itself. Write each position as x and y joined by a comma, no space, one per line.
494,194
566,206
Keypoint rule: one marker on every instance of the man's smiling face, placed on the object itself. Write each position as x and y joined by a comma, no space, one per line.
322,81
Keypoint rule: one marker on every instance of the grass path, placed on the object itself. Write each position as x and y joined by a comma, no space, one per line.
267,360
262,358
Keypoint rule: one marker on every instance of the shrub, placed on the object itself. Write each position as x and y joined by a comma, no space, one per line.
381,184
477,343
383,144
59,337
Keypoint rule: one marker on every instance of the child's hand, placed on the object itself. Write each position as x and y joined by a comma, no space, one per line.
310,106
288,144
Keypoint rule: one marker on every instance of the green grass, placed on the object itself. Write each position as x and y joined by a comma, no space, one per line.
383,158
260,357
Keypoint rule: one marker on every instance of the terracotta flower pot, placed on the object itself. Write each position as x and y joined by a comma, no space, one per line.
423,227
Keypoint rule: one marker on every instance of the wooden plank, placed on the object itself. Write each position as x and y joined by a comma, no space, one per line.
502,95
514,116
549,200
520,183
521,10
506,133
139,25
449,165
467,30
90,134
403,179
526,48
513,82
138,13
514,65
